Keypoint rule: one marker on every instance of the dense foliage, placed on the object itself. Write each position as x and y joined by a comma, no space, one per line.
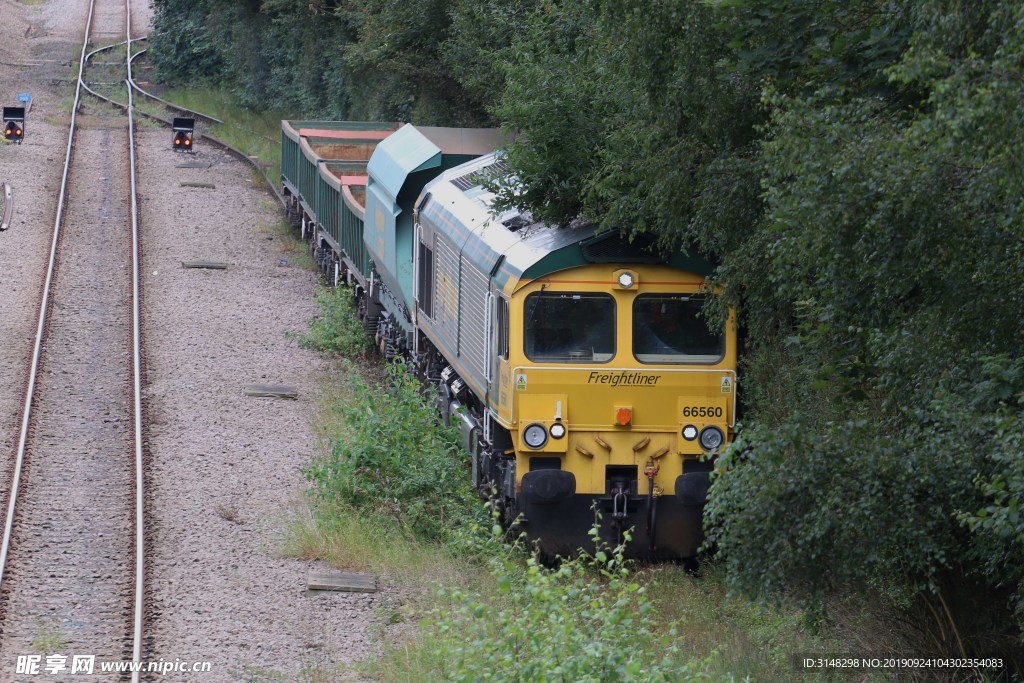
383,60
855,169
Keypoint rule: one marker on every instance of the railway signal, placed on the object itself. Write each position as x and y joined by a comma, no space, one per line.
184,129
14,124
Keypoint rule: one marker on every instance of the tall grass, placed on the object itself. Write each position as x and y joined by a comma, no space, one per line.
394,460
587,620
337,328
256,134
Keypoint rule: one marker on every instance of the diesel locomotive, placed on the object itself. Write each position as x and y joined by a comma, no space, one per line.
574,362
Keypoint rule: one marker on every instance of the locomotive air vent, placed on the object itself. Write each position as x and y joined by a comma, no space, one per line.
611,247
480,176
516,223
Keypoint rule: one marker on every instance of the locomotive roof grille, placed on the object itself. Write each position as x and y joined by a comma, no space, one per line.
480,176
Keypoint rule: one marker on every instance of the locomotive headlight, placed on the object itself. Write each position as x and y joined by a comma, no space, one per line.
689,432
535,435
711,438
557,430
626,280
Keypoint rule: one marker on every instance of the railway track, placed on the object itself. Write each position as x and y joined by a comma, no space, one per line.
163,111
71,561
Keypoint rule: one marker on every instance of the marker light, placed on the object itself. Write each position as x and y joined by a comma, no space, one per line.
689,432
535,436
623,415
711,438
557,430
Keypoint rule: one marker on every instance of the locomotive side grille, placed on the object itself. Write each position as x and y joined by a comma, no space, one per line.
473,299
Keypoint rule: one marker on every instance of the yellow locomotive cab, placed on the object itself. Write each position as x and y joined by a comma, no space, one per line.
619,382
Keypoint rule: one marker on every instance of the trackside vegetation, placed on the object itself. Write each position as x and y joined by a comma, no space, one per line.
853,167
395,459
387,494
337,329
390,459
587,620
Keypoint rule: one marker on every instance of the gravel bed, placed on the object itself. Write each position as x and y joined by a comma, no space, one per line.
35,44
224,468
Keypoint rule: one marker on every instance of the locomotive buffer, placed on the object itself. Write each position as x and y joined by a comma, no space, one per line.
184,129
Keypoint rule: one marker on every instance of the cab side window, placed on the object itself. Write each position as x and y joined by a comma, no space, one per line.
426,283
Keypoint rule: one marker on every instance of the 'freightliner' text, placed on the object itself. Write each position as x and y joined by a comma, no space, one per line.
623,379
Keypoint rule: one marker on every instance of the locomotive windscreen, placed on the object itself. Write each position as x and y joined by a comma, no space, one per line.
667,329
569,327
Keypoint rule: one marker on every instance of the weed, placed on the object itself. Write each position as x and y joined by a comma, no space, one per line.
337,329
228,513
587,620
394,458
48,640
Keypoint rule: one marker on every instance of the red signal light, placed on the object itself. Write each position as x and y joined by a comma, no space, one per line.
183,141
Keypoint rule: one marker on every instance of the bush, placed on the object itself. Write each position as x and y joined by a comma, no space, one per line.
584,621
337,329
394,458
924,510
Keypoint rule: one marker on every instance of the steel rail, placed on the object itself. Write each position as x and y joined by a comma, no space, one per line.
206,136
140,566
132,85
43,310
